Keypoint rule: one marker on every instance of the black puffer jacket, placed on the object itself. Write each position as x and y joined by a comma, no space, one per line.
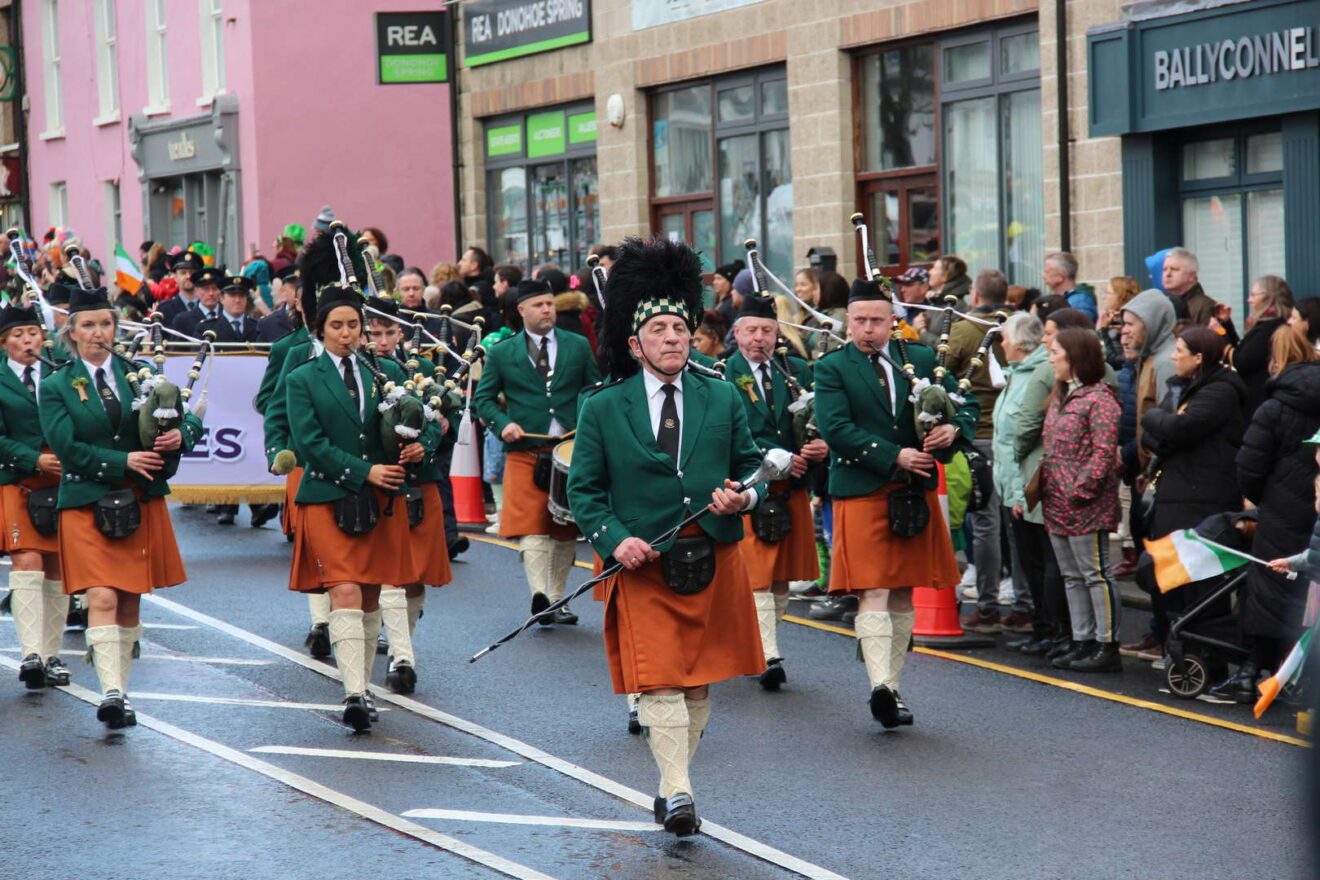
1276,471
1196,447
1251,358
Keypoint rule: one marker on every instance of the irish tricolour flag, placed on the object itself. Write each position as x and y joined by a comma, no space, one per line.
1184,556
127,274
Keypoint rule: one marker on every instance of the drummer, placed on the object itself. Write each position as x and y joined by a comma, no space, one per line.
29,477
540,372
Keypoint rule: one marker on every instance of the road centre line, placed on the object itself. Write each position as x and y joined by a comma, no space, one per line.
317,790
1086,690
531,753
382,756
521,819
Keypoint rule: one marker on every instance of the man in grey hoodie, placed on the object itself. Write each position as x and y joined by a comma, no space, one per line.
1147,337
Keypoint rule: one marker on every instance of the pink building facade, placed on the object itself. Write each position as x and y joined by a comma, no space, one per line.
224,120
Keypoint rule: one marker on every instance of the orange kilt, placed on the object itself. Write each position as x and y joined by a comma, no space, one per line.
655,638
323,555
289,515
431,546
526,510
146,560
792,559
20,534
868,556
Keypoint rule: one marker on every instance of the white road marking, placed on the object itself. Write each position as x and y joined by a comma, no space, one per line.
144,626
382,756
317,790
178,658
519,819
531,753
237,701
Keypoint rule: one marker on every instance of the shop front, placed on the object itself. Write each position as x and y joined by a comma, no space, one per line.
1219,114
190,178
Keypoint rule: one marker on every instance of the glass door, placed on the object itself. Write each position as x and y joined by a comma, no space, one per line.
550,215
586,211
694,223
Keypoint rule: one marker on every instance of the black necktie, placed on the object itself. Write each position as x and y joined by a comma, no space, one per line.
667,436
880,370
768,385
192,306
543,358
238,327
28,380
108,399
350,381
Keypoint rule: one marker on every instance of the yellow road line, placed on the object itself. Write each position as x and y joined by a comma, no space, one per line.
1076,688
1086,690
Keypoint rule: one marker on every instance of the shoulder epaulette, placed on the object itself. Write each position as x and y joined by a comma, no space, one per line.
601,386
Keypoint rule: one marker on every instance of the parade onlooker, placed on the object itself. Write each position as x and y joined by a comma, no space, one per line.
1276,472
1079,488
443,272
287,244
475,265
1271,304
913,287
1044,306
1305,319
948,277
1182,284
1195,443
833,304
721,281
1109,323
1060,278
806,286
1147,336
709,337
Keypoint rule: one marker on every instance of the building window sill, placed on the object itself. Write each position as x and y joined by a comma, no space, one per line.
160,110
108,119
57,134
205,102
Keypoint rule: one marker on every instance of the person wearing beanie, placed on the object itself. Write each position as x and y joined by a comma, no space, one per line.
541,373
889,533
324,219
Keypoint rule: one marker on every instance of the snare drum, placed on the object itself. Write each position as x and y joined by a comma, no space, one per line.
560,459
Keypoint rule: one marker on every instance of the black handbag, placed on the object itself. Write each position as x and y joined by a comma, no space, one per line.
545,465
689,565
909,514
357,512
42,510
1146,504
416,506
771,519
118,513
983,480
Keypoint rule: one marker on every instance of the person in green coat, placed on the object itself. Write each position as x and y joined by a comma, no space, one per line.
541,374
880,473
780,544
88,419
39,603
656,444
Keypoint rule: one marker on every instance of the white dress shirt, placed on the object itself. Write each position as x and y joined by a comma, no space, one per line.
110,380
556,429
20,368
357,379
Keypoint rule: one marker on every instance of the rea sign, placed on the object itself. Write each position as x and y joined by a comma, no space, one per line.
412,47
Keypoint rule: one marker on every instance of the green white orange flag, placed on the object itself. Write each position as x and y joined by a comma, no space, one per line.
127,274
1183,557
1289,671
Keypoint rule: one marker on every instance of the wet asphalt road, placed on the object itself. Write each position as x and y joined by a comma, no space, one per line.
1001,777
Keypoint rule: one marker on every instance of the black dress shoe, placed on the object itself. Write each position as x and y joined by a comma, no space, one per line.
566,617
904,713
226,518
1062,645
1037,647
77,616
1240,687
356,713
884,707
635,727
264,513
774,674
1076,652
680,815
318,640
459,545
382,646
130,714
1105,658
57,674
540,602
33,672
402,678
111,711
372,712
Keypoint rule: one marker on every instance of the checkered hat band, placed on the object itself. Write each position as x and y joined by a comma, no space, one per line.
648,309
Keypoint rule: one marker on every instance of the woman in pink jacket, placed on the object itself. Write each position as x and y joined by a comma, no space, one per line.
1079,487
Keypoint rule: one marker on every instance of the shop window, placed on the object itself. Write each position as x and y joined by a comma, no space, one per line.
975,189
107,60
1232,210
51,66
721,170
543,195
158,59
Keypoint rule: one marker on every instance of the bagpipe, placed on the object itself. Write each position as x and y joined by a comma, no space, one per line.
32,295
803,407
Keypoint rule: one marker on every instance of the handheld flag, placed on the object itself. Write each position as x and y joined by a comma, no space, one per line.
127,274
1289,671
1184,556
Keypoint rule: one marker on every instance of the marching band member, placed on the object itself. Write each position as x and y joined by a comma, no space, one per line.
540,372
780,535
401,604
882,482
653,446
351,536
116,541
29,481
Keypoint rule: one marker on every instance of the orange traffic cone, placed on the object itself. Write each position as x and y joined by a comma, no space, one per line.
465,476
937,624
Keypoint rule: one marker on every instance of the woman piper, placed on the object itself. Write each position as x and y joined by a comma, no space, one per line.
29,480
116,541
353,532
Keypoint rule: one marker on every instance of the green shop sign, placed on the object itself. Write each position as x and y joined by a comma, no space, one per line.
582,128
545,134
497,30
504,141
412,47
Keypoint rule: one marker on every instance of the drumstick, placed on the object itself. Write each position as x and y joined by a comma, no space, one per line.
531,436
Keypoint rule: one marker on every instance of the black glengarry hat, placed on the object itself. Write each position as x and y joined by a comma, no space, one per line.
12,316
533,287
757,307
93,300
870,291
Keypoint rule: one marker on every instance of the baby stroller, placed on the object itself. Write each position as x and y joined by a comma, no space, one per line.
1206,638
